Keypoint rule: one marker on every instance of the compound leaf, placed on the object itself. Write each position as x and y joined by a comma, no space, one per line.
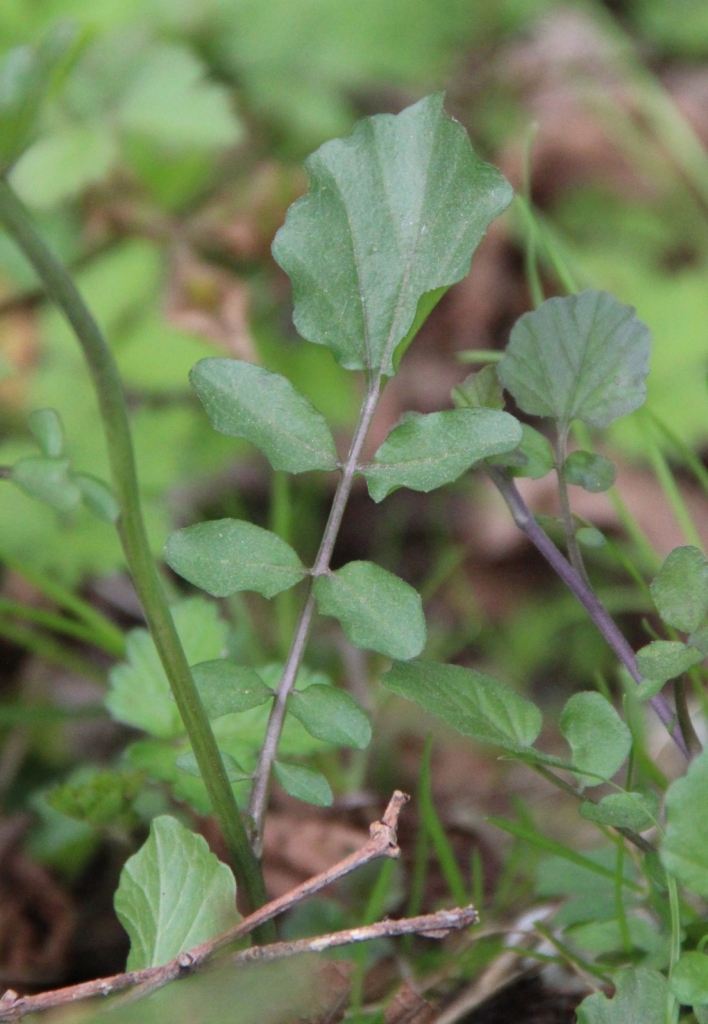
331,715
583,357
685,849
243,400
394,212
226,688
665,659
680,590
139,693
227,555
640,999
598,737
173,894
475,704
425,452
303,783
377,610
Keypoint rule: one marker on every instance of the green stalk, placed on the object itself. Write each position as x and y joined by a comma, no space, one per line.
131,529
57,623
112,637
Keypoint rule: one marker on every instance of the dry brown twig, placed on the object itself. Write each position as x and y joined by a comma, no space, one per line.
382,842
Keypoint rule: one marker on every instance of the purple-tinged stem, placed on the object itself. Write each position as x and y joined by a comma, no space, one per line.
525,521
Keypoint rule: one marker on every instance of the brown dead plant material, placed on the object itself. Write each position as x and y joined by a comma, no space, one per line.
382,842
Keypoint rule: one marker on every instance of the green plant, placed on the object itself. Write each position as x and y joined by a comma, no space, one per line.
391,220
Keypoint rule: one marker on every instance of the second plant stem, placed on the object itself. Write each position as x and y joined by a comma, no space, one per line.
269,750
524,519
131,528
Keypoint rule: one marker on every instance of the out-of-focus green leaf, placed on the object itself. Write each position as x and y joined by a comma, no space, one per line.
102,799
171,102
48,480
537,450
331,715
227,555
583,357
640,999
227,688
26,78
376,609
665,659
425,452
589,537
592,472
97,497
637,811
187,762
47,428
689,979
303,783
139,693
475,704
243,400
680,590
394,211
684,851
60,165
598,737
481,390
173,894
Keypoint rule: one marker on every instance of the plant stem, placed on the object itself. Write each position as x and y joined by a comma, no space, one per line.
131,529
587,597
576,559
683,717
259,793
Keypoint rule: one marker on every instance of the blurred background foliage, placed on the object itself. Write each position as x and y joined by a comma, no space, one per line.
161,171
166,162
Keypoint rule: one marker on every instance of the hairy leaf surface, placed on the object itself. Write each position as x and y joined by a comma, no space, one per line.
680,590
598,737
243,400
425,452
475,704
685,848
665,659
394,211
227,555
331,715
227,688
376,609
303,783
583,357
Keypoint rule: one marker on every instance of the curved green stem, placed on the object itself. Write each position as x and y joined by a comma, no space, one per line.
131,528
